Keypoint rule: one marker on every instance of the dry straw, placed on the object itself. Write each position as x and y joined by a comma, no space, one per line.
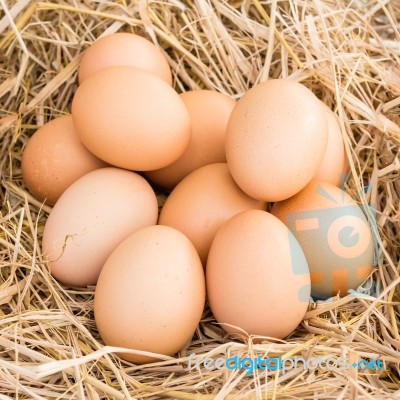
347,52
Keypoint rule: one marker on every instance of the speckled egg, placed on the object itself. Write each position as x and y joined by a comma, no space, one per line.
131,119
257,278
276,138
202,202
124,49
91,218
334,166
54,158
150,294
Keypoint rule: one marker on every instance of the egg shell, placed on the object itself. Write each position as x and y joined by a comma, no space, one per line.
276,138
54,158
334,167
209,111
131,119
124,49
257,276
150,294
334,235
91,218
202,202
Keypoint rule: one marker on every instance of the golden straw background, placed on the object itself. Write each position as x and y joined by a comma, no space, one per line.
347,52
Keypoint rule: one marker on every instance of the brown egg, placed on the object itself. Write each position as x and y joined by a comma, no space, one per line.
257,276
54,158
276,139
131,119
209,112
91,218
150,294
124,49
202,202
334,235
333,166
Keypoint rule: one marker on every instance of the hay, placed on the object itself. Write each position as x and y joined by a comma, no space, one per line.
347,52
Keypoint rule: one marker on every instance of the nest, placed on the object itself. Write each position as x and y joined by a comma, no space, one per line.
348,53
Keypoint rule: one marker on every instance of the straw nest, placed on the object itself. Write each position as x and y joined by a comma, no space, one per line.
348,53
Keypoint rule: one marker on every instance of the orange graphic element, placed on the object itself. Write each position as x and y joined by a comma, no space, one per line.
316,277
339,281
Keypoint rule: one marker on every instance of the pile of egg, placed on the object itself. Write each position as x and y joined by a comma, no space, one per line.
225,162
